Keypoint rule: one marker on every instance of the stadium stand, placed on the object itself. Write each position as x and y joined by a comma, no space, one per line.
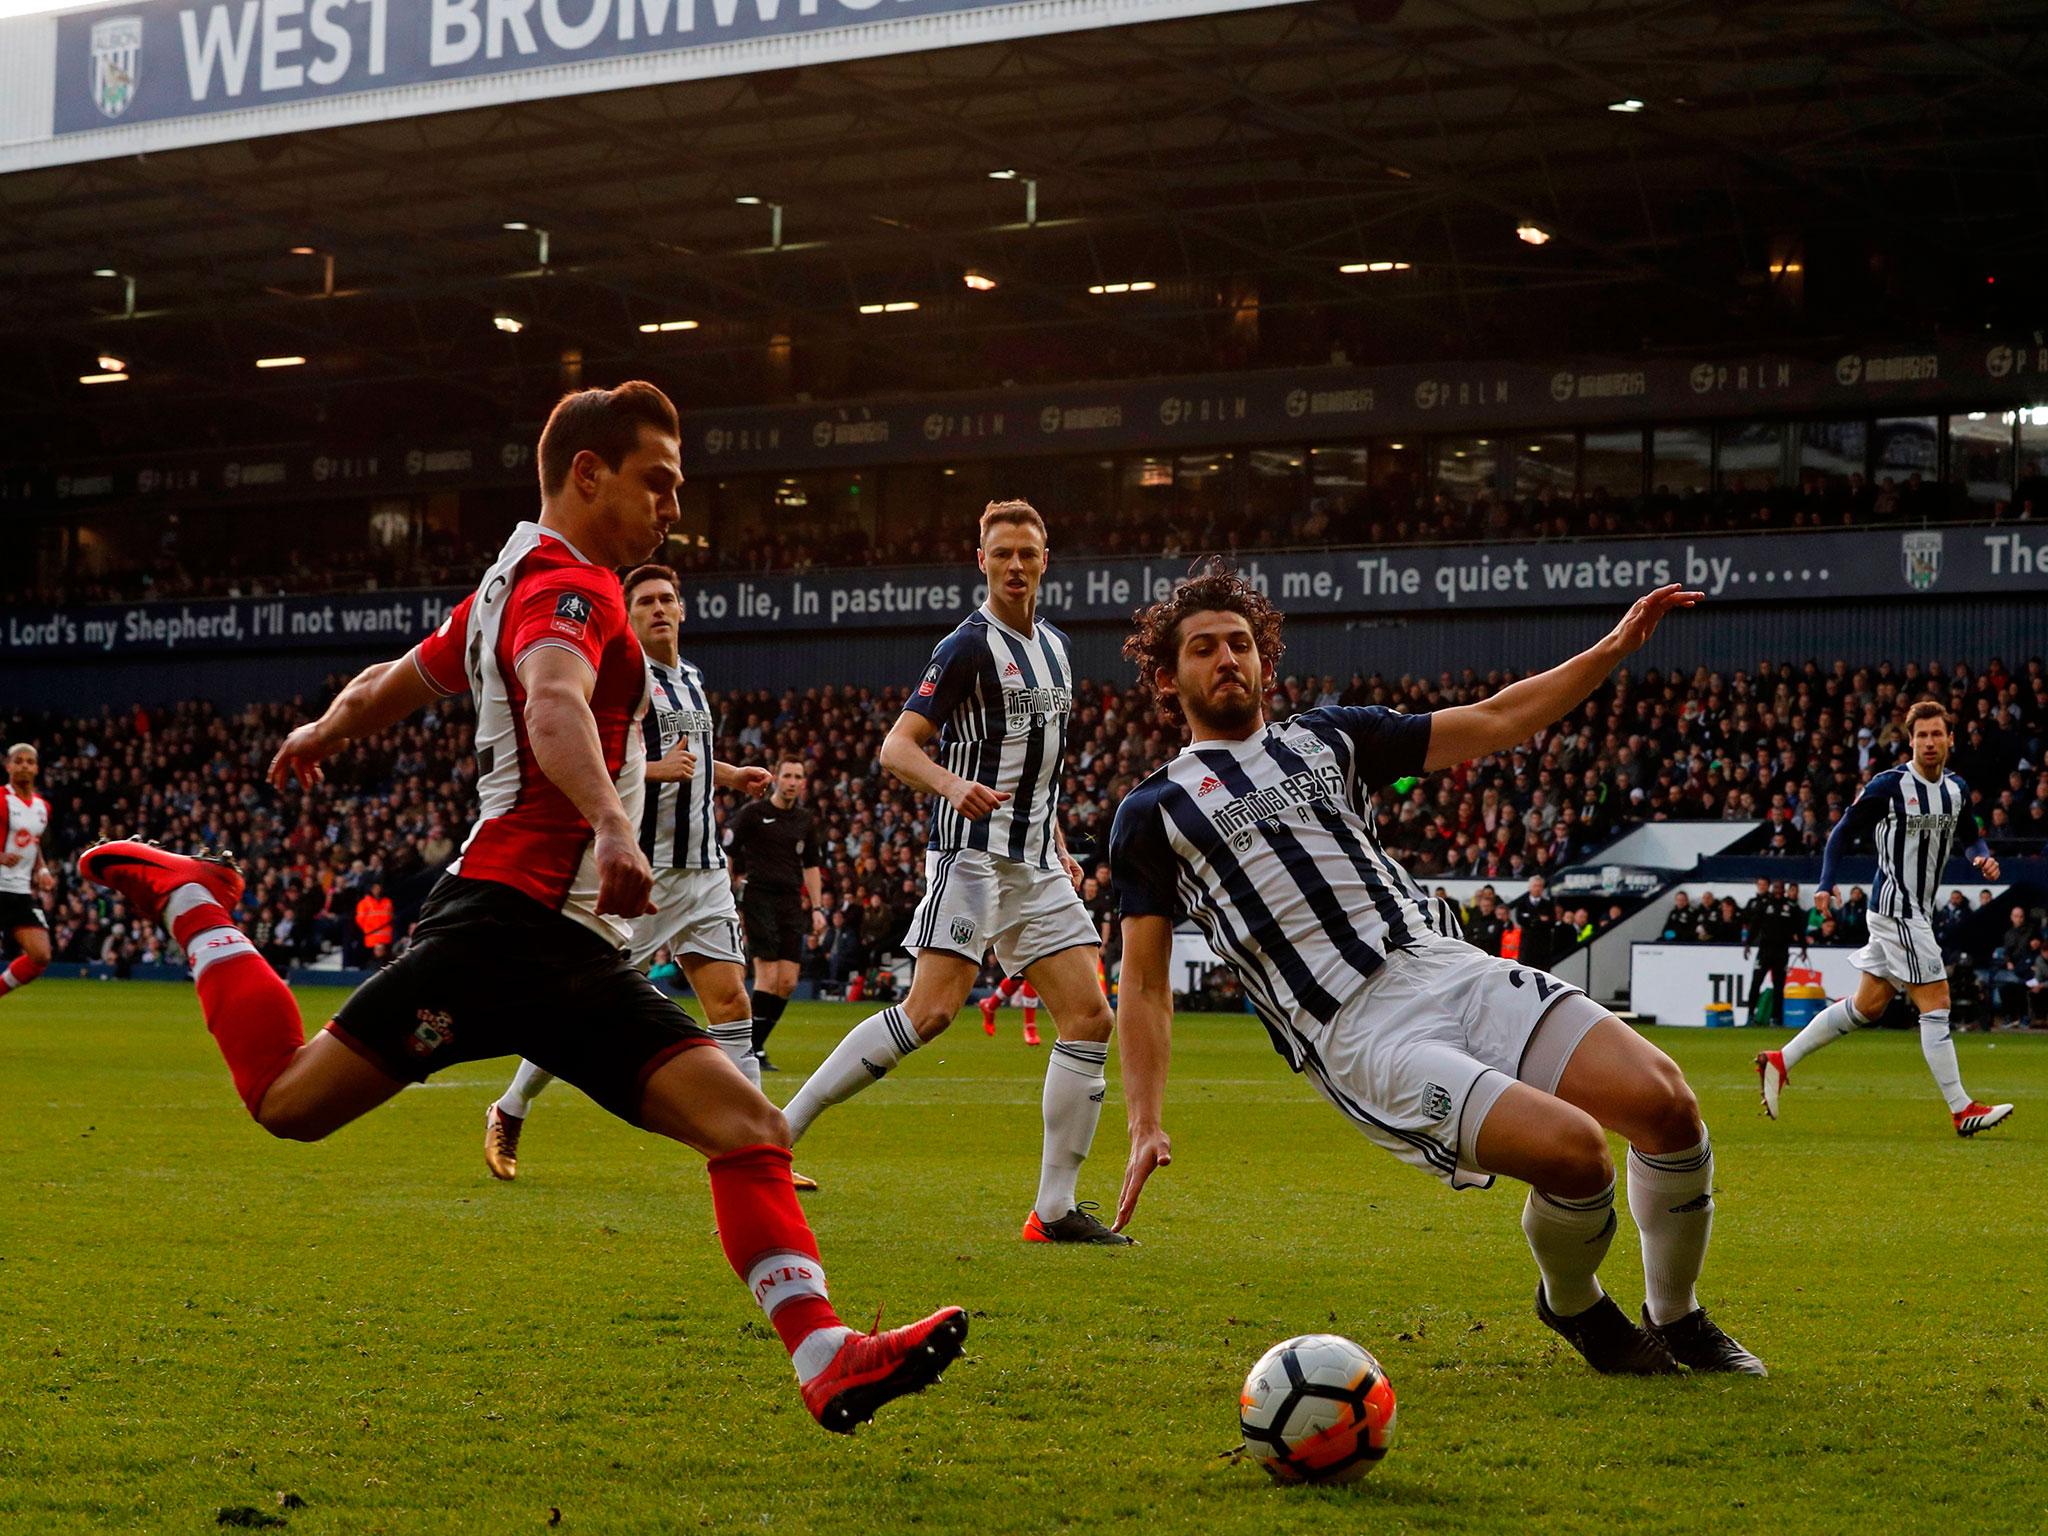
1786,746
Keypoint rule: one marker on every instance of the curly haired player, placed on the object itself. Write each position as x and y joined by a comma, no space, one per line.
1458,1062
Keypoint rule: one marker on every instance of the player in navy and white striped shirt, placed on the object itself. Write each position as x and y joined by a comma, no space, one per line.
693,916
1459,1062
1913,814
997,696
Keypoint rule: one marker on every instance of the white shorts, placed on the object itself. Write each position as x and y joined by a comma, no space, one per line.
1902,952
694,915
973,900
1425,1049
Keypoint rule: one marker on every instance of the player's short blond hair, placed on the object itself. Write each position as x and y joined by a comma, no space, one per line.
25,746
1016,512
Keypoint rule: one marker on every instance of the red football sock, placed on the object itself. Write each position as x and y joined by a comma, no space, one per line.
19,973
252,1015
768,1242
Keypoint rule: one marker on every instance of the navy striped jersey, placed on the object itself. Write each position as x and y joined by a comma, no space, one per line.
677,830
1913,822
1002,700
1269,845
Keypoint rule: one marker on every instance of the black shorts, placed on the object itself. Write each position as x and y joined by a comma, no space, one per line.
492,972
20,910
774,916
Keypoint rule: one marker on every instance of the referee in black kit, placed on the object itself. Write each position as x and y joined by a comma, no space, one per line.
774,851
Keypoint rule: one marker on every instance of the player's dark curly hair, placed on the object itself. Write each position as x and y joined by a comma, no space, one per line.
1213,586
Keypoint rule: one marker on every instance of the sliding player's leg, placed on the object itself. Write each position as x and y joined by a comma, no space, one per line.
940,982
293,1089
1631,1087
1074,1090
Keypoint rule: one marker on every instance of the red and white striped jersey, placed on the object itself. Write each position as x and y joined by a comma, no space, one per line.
529,835
27,821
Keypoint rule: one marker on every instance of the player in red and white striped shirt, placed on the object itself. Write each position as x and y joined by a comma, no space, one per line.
24,877
520,950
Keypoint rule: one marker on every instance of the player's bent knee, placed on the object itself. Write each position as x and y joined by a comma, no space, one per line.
290,1122
1671,1112
1578,1164
1097,1026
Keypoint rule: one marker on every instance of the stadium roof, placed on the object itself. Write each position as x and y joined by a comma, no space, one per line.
1722,174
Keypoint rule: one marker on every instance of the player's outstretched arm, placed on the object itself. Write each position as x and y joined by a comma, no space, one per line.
1520,710
375,699
563,735
903,754
1144,1033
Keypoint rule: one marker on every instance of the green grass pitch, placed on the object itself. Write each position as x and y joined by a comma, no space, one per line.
194,1317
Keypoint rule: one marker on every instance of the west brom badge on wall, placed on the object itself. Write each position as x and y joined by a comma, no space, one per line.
1922,554
116,60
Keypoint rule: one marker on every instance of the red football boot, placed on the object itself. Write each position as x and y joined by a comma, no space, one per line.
874,1368
988,1015
1977,1117
1031,1035
145,875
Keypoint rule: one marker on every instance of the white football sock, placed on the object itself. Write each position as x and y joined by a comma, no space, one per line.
1569,1239
869,1052
1671,1197
527,1083
1074,1088
1940,1052
1829,1025
737,1041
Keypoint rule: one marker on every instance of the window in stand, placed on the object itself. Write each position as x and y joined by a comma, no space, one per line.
1831,459
2030,496
1750,456
1980,462
1276,507
742,512
1465,470
1146,502
1207,514
1612,465
1076,497
1396,471
1681,461
1546,464
1903,448
1338,496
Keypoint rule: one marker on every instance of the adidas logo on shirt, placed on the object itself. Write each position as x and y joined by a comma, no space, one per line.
1012,671
1209,785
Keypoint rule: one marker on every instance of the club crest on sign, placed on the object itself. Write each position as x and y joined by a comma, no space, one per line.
1921,553
116,63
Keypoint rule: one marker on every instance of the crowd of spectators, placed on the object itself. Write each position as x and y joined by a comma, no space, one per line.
1381,516
339,870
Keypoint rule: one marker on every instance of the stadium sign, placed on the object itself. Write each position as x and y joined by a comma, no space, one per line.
159,60
1788,567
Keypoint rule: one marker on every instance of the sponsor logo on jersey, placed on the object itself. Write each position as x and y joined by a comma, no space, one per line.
1012,670
930,685
572,612
1209,786
1022,706
1235,819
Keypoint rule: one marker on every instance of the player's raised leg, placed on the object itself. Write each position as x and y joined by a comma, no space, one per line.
293,1089
939,986
700,1098
1072,1102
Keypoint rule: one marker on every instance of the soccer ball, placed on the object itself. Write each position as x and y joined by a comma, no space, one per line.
1317,1409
